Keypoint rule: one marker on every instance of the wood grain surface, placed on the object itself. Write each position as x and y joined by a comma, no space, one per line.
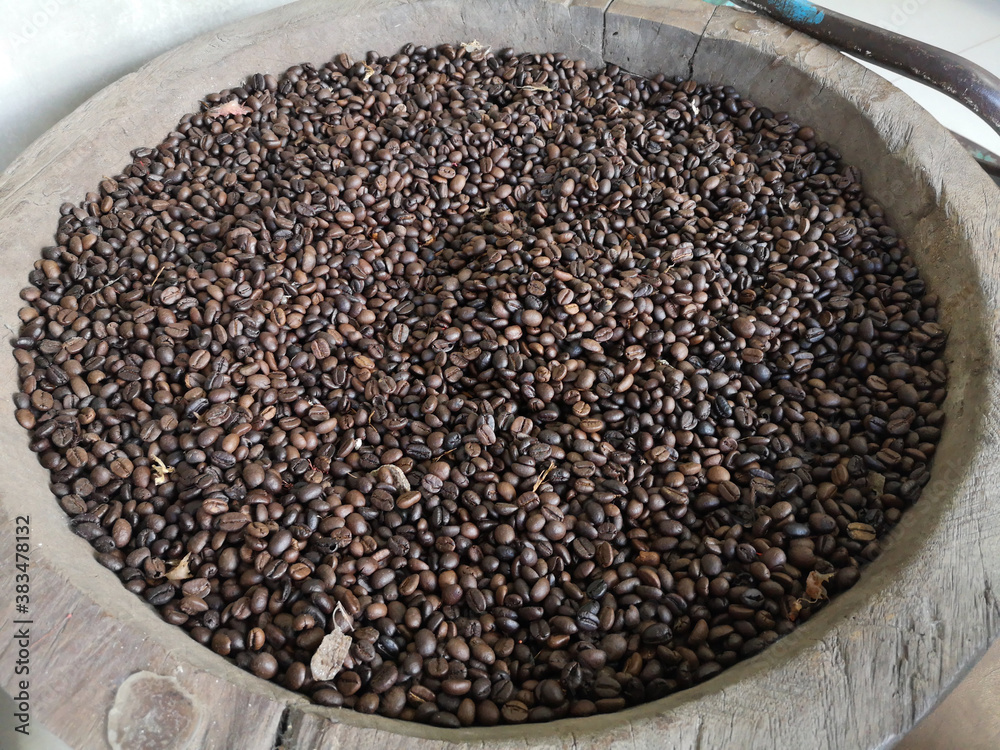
858,675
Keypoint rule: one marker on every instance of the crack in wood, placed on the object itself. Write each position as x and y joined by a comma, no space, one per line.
697,44
279,735
604,29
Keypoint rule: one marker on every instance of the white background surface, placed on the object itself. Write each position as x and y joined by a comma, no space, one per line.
54,54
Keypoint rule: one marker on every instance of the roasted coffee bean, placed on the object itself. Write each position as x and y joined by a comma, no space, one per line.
548,387
121,532
656,634
384,677
514,712
264,665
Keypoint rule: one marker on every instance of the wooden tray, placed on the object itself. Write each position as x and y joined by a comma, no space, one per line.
859,674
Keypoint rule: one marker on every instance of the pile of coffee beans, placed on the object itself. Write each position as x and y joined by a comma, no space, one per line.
556,390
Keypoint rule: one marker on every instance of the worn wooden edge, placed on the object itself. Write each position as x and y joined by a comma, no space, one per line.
857,675
922,632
